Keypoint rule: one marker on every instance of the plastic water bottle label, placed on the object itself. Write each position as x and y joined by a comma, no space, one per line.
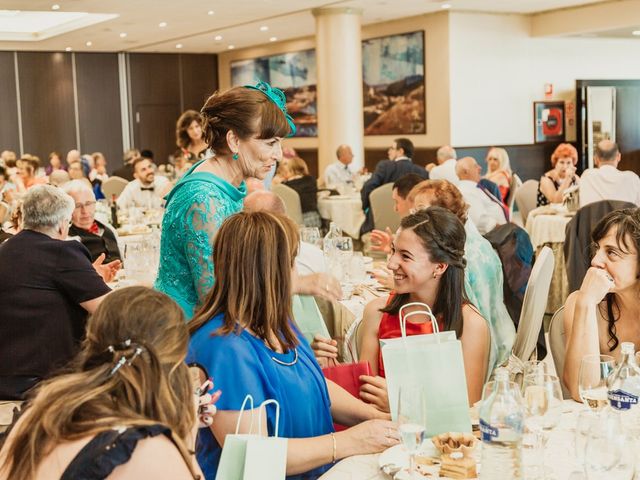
621,400
488,432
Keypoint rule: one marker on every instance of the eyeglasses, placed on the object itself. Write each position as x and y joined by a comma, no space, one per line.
87,205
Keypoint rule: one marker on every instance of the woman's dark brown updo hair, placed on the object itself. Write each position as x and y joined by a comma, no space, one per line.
246,112
182,125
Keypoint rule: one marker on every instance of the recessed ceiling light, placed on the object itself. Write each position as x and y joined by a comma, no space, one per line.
89,43
123,34
264,28
231,47
162,24
636,33
273,39
178,45
55,7
68,49
211,12
217,38
445,6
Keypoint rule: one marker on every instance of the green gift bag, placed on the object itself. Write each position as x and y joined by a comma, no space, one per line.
308,317
433,361
250,456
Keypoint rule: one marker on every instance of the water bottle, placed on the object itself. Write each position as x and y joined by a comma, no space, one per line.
114,212
328,244
623,389
501,426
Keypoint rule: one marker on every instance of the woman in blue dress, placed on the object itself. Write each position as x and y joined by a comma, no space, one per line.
243,336
243,127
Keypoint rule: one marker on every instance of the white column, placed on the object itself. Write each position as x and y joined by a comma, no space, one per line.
339,73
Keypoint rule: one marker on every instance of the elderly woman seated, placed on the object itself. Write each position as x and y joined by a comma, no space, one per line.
47,286
98,237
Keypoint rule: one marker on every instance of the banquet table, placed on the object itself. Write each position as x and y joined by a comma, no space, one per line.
546,227
559,454
345,211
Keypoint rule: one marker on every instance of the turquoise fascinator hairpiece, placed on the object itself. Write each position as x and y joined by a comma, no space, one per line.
276,96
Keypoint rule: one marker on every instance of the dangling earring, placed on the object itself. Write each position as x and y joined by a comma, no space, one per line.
235,156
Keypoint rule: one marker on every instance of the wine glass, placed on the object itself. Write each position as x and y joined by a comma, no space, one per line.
608,454
344,249
311,235
592,382
412,418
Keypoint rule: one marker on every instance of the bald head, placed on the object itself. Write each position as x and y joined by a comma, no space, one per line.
468,169
73,156
344,154
445,153
264,201
607,153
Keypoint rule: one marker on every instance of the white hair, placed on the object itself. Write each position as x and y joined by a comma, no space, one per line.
445,153
45,207
78,186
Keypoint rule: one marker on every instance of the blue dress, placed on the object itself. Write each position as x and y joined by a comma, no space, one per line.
195,210
242,364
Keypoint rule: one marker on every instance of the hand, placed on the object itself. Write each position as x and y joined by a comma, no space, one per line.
384,278
374,391
596,284
429,166
319,285
373,436
325,350
381,241
106,271
205,403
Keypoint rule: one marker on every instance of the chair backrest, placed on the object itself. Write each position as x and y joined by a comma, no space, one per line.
382,208
514,186
113,186
557,346
534,305
291,201
59,177
525,198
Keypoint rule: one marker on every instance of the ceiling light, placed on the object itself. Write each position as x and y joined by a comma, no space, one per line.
178,45
210,12
264,28
445,6
162,24
123,34
55,7
636,33
217,38
68,49
231,47
89,43
273,39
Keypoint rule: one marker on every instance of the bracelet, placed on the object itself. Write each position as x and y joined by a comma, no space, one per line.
334,457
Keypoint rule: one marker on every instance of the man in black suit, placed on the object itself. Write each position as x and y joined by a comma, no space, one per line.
388,171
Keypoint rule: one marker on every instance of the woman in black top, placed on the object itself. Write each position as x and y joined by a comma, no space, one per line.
562,176
299,179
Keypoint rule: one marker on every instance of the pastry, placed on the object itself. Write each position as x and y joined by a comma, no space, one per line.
456,465
455,442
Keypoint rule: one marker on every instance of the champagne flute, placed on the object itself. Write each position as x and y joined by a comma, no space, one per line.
412,418
592,386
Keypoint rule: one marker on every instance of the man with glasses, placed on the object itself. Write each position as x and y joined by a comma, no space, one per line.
96,236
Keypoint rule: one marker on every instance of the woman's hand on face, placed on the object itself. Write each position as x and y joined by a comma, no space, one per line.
325,350
374,436
596,284
374,391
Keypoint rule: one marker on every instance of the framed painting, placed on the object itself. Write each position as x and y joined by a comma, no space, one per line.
548,122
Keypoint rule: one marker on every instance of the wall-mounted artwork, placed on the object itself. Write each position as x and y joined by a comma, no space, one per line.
293,73
394,90
548,118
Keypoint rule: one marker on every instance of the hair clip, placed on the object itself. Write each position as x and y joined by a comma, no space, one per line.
118,365
278,97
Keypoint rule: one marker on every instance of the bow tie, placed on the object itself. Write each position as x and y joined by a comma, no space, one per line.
147,189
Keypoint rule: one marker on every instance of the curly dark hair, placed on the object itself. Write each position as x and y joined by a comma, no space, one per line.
182,125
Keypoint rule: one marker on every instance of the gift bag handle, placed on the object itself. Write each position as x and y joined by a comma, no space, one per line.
426,311
264,404
249,399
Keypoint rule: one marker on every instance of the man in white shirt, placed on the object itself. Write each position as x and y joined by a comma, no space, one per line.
339,172
145,191
446,168
485,210
606,182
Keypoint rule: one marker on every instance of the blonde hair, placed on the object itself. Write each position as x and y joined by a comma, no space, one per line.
153,388
502,156
253,256
297,166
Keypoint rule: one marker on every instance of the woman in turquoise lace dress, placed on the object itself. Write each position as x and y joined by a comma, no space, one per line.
243,126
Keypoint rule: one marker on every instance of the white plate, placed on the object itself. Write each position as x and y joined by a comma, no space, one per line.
397,457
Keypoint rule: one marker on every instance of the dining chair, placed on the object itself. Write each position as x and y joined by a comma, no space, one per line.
382,208
291,201
533,308
556,344
525,198
113,186
514,186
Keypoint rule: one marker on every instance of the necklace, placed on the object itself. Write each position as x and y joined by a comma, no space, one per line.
288,364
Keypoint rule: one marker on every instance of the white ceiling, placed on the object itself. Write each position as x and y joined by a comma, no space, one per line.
237,21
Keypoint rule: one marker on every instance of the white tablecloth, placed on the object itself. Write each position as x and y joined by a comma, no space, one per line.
345,210
559,454
547,225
